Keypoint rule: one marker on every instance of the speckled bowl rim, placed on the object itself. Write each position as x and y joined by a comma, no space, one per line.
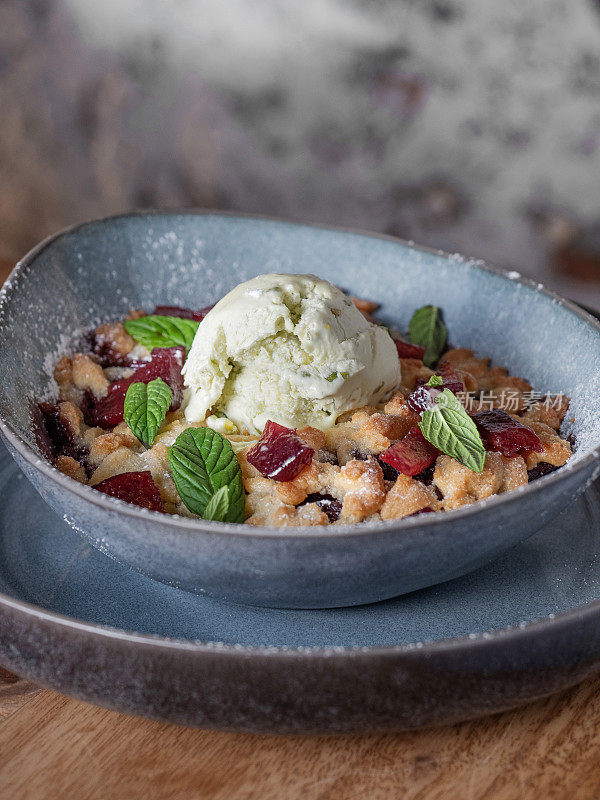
467,642
176,522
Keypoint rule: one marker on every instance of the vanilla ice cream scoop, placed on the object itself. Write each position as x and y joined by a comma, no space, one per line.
290,348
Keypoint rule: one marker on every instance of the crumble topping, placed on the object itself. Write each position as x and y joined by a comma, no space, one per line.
460,486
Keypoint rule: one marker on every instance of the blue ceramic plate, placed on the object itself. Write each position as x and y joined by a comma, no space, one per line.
80,622
98,271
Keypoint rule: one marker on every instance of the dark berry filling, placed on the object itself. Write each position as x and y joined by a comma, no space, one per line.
328,505
389,472
359,455
541,469
426,476
106,354
426,510
54,436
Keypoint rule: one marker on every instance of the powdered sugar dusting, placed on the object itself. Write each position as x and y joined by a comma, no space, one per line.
67,343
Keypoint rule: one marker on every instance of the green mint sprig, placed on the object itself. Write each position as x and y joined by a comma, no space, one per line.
427,329
435,380
203,464
159,331
448,426
146,406
218,505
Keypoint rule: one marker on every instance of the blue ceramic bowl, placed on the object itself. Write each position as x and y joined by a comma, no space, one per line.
98,271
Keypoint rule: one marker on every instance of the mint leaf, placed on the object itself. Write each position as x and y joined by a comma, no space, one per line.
202,462
145,408
427,330
448,426
159,331
435,380
218,505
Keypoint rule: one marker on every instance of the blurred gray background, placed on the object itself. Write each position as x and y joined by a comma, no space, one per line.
470,125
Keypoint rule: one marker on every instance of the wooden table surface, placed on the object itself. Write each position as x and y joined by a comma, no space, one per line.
54,747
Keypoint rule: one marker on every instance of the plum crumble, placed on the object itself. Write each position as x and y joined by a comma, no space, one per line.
118,425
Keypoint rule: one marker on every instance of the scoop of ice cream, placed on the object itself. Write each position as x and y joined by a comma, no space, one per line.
290,348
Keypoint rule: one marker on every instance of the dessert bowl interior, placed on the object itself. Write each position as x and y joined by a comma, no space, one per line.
97,271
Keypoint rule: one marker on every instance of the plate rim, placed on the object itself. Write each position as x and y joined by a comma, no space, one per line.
464,644
176,522
467,642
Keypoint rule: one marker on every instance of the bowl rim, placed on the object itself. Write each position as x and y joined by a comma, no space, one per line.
176,522
507,635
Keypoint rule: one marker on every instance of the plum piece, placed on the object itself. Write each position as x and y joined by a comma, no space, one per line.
327,503
541,469
423,396
406,350
412,454
280,454
184,313
450,378
137,488
166,363
499,431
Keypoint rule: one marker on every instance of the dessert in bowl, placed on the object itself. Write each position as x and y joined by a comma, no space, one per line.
331,440
285,405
